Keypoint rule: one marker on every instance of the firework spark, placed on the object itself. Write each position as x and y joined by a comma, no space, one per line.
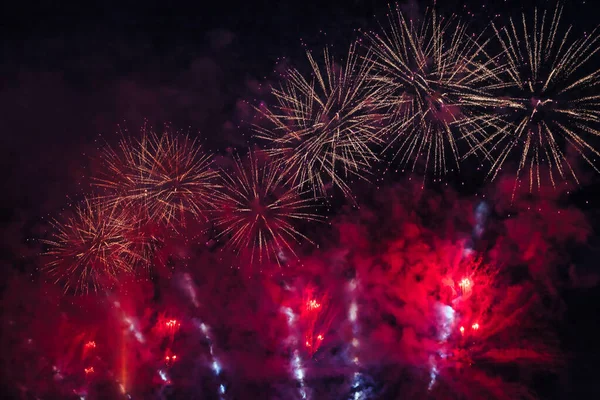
552,105
323,128
488,315
257,210
165,175
93,248
435,79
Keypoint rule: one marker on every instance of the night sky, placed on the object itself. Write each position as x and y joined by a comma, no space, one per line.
74,77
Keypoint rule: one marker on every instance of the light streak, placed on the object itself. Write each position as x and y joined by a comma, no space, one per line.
215,364
190,289
358,392
296,363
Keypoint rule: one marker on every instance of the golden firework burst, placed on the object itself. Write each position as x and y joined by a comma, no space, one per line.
94,247
434,79
257,211
548,98
165,175
323,128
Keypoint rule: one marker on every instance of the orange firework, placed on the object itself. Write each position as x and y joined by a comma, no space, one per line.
93,248
257,210
323,128
552,103
164,174
434,77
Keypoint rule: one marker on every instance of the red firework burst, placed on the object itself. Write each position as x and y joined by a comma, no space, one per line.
94,247
257,211
165,175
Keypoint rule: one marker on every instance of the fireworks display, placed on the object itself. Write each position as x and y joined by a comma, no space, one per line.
552,103
257,212
323,129
293,266
434,81
93,248
163,175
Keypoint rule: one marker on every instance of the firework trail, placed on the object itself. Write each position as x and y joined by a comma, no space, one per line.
257,211
166,176
435,80
323,129
215,365
93,248
296,362
359,391
191,292
552,105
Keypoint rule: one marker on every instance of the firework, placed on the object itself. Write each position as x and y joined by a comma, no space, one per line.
166,176
552,105
323,128
435,80
495,325
257,211
93,248
312,318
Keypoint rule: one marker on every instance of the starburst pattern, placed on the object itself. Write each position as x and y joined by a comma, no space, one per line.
552,105
258,211
93,248
165,175
435,78
323,128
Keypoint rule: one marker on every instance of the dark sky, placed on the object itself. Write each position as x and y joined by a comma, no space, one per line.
71,72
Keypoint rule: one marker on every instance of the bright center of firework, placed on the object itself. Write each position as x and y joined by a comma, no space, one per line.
536,109
312,305
465,284
258,207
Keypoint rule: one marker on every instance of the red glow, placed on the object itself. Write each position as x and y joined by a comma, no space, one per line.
475,326
320,337
90,345
89,370
462,330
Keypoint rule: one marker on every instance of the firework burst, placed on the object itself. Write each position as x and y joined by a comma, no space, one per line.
323,128
494,323
166,176
94,248
435,80
257,210
554,106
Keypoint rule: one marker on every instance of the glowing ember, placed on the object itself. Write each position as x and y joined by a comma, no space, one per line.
312,305
465,284
173,323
